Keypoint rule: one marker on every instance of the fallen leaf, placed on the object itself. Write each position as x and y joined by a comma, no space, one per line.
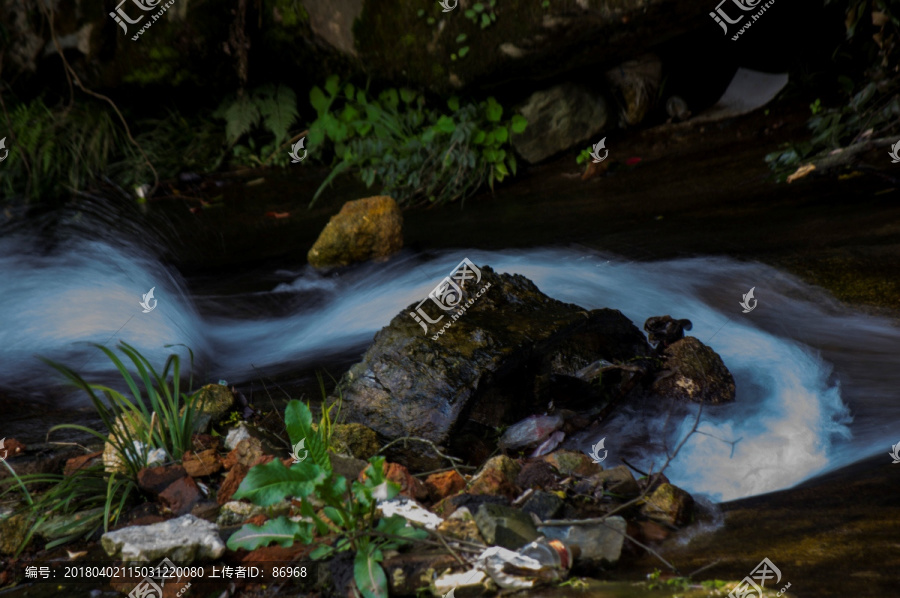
801,172
76,555
632,161
278,214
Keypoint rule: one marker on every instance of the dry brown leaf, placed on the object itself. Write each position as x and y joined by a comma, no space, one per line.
801,172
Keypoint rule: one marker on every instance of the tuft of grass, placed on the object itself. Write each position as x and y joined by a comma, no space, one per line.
162,416
165,420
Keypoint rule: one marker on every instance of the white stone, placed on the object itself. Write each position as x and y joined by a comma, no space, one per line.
184,540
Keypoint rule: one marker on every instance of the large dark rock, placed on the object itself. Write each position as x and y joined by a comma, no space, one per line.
491,366
694,372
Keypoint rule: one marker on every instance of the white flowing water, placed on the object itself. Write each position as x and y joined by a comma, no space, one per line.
816,382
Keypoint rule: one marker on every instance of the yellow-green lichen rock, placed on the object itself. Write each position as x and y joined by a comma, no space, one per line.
355,440
365,229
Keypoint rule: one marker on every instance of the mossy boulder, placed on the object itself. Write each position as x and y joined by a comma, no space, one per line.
365,229
694,372
13,530
669,504
213,402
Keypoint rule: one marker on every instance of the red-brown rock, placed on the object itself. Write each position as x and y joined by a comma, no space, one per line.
80,462
247,452
409,486
198,465
180,496
442,485
232,481
156,479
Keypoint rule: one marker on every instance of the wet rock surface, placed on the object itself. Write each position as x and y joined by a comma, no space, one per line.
694,372
490,364
365,229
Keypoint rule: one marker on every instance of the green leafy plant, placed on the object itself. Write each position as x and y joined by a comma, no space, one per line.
584,155
869,98
481,14
267,111
418,154
348,512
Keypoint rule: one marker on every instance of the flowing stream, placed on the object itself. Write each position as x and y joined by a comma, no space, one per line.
815,381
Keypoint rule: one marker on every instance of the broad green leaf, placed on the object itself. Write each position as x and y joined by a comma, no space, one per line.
318,100
494,110
460,38
445,124
407,95
463,51
485,21
316,134
480,136
349,114
335,515
273,482
518,123
453,103
281,531
479,7
390,98
369,576
470,14
349,91
501,134
332,84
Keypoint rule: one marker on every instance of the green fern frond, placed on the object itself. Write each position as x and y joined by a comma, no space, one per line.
240,118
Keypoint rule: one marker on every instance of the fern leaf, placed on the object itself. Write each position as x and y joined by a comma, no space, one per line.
240,117
279,111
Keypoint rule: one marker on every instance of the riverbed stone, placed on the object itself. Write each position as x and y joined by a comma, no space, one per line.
544,505
364,229
596,542
486,368
572,463
497,478
559,118
13,530
670,505
442,485
184,540
505,526
618,480
213,402
355,440
461,525
694,372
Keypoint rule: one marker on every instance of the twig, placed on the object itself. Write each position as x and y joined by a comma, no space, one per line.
447,546
731,442
635,468
453,460
705,567
645,547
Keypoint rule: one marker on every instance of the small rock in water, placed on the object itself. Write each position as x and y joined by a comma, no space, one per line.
530,431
